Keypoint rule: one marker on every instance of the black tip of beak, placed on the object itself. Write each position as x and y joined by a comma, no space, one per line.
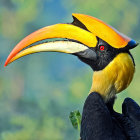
132,44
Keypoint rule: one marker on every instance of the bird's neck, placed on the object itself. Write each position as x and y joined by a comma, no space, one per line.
114,78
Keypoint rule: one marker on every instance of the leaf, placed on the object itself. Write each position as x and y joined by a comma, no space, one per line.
75,118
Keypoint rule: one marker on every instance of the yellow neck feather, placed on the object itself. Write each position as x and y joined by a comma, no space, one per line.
115,77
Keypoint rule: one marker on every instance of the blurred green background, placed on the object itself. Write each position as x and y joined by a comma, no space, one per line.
38,91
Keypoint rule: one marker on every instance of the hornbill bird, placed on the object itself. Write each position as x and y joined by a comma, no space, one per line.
95,43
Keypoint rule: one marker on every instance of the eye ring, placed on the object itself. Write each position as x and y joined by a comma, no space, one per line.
102,48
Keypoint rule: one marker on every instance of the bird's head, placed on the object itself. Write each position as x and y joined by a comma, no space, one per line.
99,45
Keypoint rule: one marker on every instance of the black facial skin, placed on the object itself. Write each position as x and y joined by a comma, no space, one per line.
103,57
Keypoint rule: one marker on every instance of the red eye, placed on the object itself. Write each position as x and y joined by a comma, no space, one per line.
102,48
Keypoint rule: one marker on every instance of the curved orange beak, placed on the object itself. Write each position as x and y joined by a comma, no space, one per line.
81,34
67,31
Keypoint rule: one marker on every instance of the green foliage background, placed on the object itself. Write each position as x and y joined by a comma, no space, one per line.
38,92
